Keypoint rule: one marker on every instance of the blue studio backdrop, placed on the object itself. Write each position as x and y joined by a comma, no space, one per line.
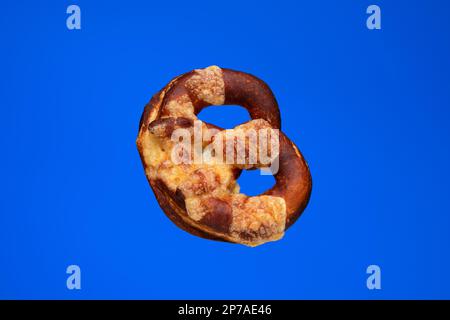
369,109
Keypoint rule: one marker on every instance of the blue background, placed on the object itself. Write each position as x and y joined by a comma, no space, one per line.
369,110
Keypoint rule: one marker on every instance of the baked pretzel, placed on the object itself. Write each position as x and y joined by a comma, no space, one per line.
203,198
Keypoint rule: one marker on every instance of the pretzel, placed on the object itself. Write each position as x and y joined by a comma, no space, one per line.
203,198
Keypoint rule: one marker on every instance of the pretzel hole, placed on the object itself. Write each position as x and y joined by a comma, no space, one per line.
226,117
252,183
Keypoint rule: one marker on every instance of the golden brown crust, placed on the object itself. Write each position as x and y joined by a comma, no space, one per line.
203,199
293,180
253,94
